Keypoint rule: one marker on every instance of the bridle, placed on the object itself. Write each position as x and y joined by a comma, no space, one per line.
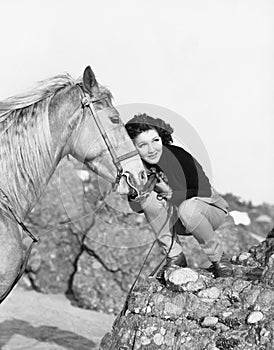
87,102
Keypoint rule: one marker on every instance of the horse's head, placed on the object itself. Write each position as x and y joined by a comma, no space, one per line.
100,140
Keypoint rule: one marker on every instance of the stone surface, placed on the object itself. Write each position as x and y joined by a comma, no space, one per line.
54,220
93,254
227,313
255,317
89,251
209,321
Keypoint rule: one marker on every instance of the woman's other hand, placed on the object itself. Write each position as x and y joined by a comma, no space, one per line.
163,190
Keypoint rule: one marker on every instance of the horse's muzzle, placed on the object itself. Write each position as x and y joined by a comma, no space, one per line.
137,195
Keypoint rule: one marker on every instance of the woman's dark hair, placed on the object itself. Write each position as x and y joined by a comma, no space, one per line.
143,122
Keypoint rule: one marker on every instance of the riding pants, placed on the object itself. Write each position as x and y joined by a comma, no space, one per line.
197,216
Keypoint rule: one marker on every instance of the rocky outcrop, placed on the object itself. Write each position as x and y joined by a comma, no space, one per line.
93,253
58,220
193,310
89,249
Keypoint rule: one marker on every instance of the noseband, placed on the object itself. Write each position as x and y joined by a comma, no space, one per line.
87,102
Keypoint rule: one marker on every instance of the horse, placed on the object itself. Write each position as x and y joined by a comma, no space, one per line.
60,117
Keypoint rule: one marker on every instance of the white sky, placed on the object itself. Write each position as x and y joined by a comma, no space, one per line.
210,62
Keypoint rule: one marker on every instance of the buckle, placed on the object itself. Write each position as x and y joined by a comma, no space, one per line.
85,101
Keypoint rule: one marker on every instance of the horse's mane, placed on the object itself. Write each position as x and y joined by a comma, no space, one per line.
41,91
25,140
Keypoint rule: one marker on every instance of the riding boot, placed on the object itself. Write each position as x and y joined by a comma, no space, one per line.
221,268
178,260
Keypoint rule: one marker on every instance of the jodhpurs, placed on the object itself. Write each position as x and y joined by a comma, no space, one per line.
198,218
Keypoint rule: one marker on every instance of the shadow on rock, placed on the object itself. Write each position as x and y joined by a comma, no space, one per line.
48,334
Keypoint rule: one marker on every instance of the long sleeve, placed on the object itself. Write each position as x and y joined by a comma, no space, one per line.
185,175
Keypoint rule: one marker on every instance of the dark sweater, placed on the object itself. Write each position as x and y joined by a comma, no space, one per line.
185,175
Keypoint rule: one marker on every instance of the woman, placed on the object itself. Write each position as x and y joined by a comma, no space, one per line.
199,209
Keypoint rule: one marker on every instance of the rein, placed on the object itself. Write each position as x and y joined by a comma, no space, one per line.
152,274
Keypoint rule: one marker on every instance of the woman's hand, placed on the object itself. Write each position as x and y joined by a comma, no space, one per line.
163,190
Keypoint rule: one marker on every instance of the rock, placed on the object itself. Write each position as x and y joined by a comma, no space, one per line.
243,257
264,219
240,217
255,317
158,339
209,294
51,262
84,175
209,321
218,316
180,279
182,276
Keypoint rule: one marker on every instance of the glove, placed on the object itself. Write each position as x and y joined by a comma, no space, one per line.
163,190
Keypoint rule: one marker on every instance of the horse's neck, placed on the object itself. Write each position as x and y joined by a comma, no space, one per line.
58,124
30,198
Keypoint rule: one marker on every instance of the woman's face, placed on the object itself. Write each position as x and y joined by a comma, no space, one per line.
149,145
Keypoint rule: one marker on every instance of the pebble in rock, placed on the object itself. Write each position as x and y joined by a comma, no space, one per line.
148,309
182,276
209,294
139,219
209,321
244,256
195,286
255,317
158,339
145,340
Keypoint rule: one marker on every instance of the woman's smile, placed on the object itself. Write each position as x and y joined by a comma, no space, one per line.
153,156
149,145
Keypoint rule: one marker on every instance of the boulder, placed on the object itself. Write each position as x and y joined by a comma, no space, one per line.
194,310
55,219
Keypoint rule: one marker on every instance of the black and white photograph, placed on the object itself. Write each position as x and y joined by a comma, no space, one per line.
136,187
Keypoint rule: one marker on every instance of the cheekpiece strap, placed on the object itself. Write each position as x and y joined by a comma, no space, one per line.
86,101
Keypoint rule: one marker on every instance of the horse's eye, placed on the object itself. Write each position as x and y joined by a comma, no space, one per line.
100,104
115,119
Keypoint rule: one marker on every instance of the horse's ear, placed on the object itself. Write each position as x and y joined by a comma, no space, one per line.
89,80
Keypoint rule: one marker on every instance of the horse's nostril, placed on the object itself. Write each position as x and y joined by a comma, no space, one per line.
143,175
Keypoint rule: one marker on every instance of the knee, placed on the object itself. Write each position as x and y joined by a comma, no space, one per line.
189,212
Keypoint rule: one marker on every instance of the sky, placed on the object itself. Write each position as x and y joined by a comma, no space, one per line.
206,66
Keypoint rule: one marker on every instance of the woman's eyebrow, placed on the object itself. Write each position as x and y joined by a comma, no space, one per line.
141,143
